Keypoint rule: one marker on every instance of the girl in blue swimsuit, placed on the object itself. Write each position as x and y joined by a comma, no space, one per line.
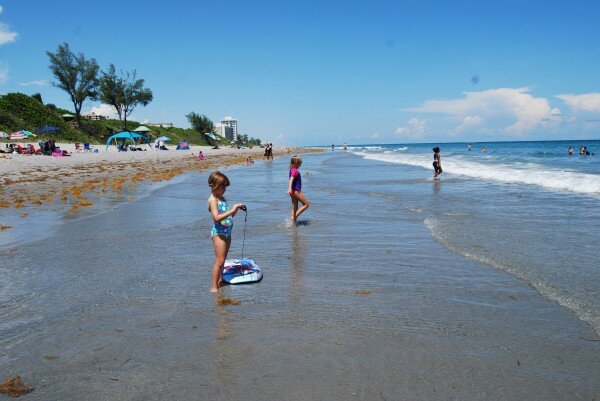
223,223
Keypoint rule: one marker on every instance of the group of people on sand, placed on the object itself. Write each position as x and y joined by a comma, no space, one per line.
222,214
583,151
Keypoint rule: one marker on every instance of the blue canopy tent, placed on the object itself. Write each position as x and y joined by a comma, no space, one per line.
124,135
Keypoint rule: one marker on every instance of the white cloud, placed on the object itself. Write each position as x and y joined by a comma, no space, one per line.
3,71
414,129
39,82
6,35
498,105
0,9
104,110
585,102
279,137
375,135
468,123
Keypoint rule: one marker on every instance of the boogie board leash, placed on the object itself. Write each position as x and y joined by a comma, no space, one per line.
244,238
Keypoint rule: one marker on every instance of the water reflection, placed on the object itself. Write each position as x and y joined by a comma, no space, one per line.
298,255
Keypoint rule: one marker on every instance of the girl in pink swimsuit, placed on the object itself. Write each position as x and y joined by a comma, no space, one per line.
295,189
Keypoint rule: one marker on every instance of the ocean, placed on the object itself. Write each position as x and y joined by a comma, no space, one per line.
527,208
482,285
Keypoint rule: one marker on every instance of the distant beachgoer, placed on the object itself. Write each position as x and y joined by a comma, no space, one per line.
345,146
332,147
484,150
570,151
200,156
468,147
437,163
223,224
270,151
295,189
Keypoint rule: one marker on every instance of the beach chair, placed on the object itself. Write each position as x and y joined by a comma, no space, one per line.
86,147
21,150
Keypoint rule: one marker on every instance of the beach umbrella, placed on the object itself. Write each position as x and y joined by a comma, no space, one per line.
142,128
162,138
21,134
211,136
48,129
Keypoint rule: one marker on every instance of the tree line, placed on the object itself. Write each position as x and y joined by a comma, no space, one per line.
82,79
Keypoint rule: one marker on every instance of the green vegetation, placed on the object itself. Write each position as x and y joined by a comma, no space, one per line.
123,92
78,77
19,111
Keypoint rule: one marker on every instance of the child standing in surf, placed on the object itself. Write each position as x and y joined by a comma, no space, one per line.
223,224
437,163
295,189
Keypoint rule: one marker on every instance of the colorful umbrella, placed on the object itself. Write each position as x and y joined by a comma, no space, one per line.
21,134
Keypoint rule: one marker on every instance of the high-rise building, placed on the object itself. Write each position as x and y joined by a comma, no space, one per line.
231,122
224,130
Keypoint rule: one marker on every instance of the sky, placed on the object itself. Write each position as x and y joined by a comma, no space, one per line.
321,72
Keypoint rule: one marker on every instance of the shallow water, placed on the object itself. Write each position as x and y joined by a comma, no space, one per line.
359,301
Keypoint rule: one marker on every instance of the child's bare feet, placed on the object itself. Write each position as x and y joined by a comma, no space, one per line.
214,290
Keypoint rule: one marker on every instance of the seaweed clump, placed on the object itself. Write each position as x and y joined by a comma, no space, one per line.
14,387
227,301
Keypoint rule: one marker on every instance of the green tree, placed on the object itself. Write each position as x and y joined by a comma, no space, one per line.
124,92
38,97
200,123
76,75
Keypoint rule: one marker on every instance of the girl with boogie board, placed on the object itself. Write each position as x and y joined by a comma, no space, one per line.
222,216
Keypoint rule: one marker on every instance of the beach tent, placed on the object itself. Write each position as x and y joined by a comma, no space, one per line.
3,134
48,129
124,135
68,116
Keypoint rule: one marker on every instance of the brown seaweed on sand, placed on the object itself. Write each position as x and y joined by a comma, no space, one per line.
14,387
227,301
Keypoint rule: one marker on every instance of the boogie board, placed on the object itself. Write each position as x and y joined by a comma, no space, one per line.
241,271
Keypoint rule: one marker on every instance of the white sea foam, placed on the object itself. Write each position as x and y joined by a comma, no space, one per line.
516,173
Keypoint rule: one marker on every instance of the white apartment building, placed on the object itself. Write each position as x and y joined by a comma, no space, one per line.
231,122
225,131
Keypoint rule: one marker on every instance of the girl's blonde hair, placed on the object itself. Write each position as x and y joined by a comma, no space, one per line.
295,161
218,179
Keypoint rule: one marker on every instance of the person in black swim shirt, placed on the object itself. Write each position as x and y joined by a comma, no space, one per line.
437,163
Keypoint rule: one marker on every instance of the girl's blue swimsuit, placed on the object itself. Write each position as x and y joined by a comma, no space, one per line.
224,226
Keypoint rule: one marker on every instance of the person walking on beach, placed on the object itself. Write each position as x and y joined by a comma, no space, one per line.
437,163
295,189
220,233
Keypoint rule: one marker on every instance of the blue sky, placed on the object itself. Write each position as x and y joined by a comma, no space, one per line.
317,72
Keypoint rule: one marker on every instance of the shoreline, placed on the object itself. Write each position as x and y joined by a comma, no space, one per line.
35,180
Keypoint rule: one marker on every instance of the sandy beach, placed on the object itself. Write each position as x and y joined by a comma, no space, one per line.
37,180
